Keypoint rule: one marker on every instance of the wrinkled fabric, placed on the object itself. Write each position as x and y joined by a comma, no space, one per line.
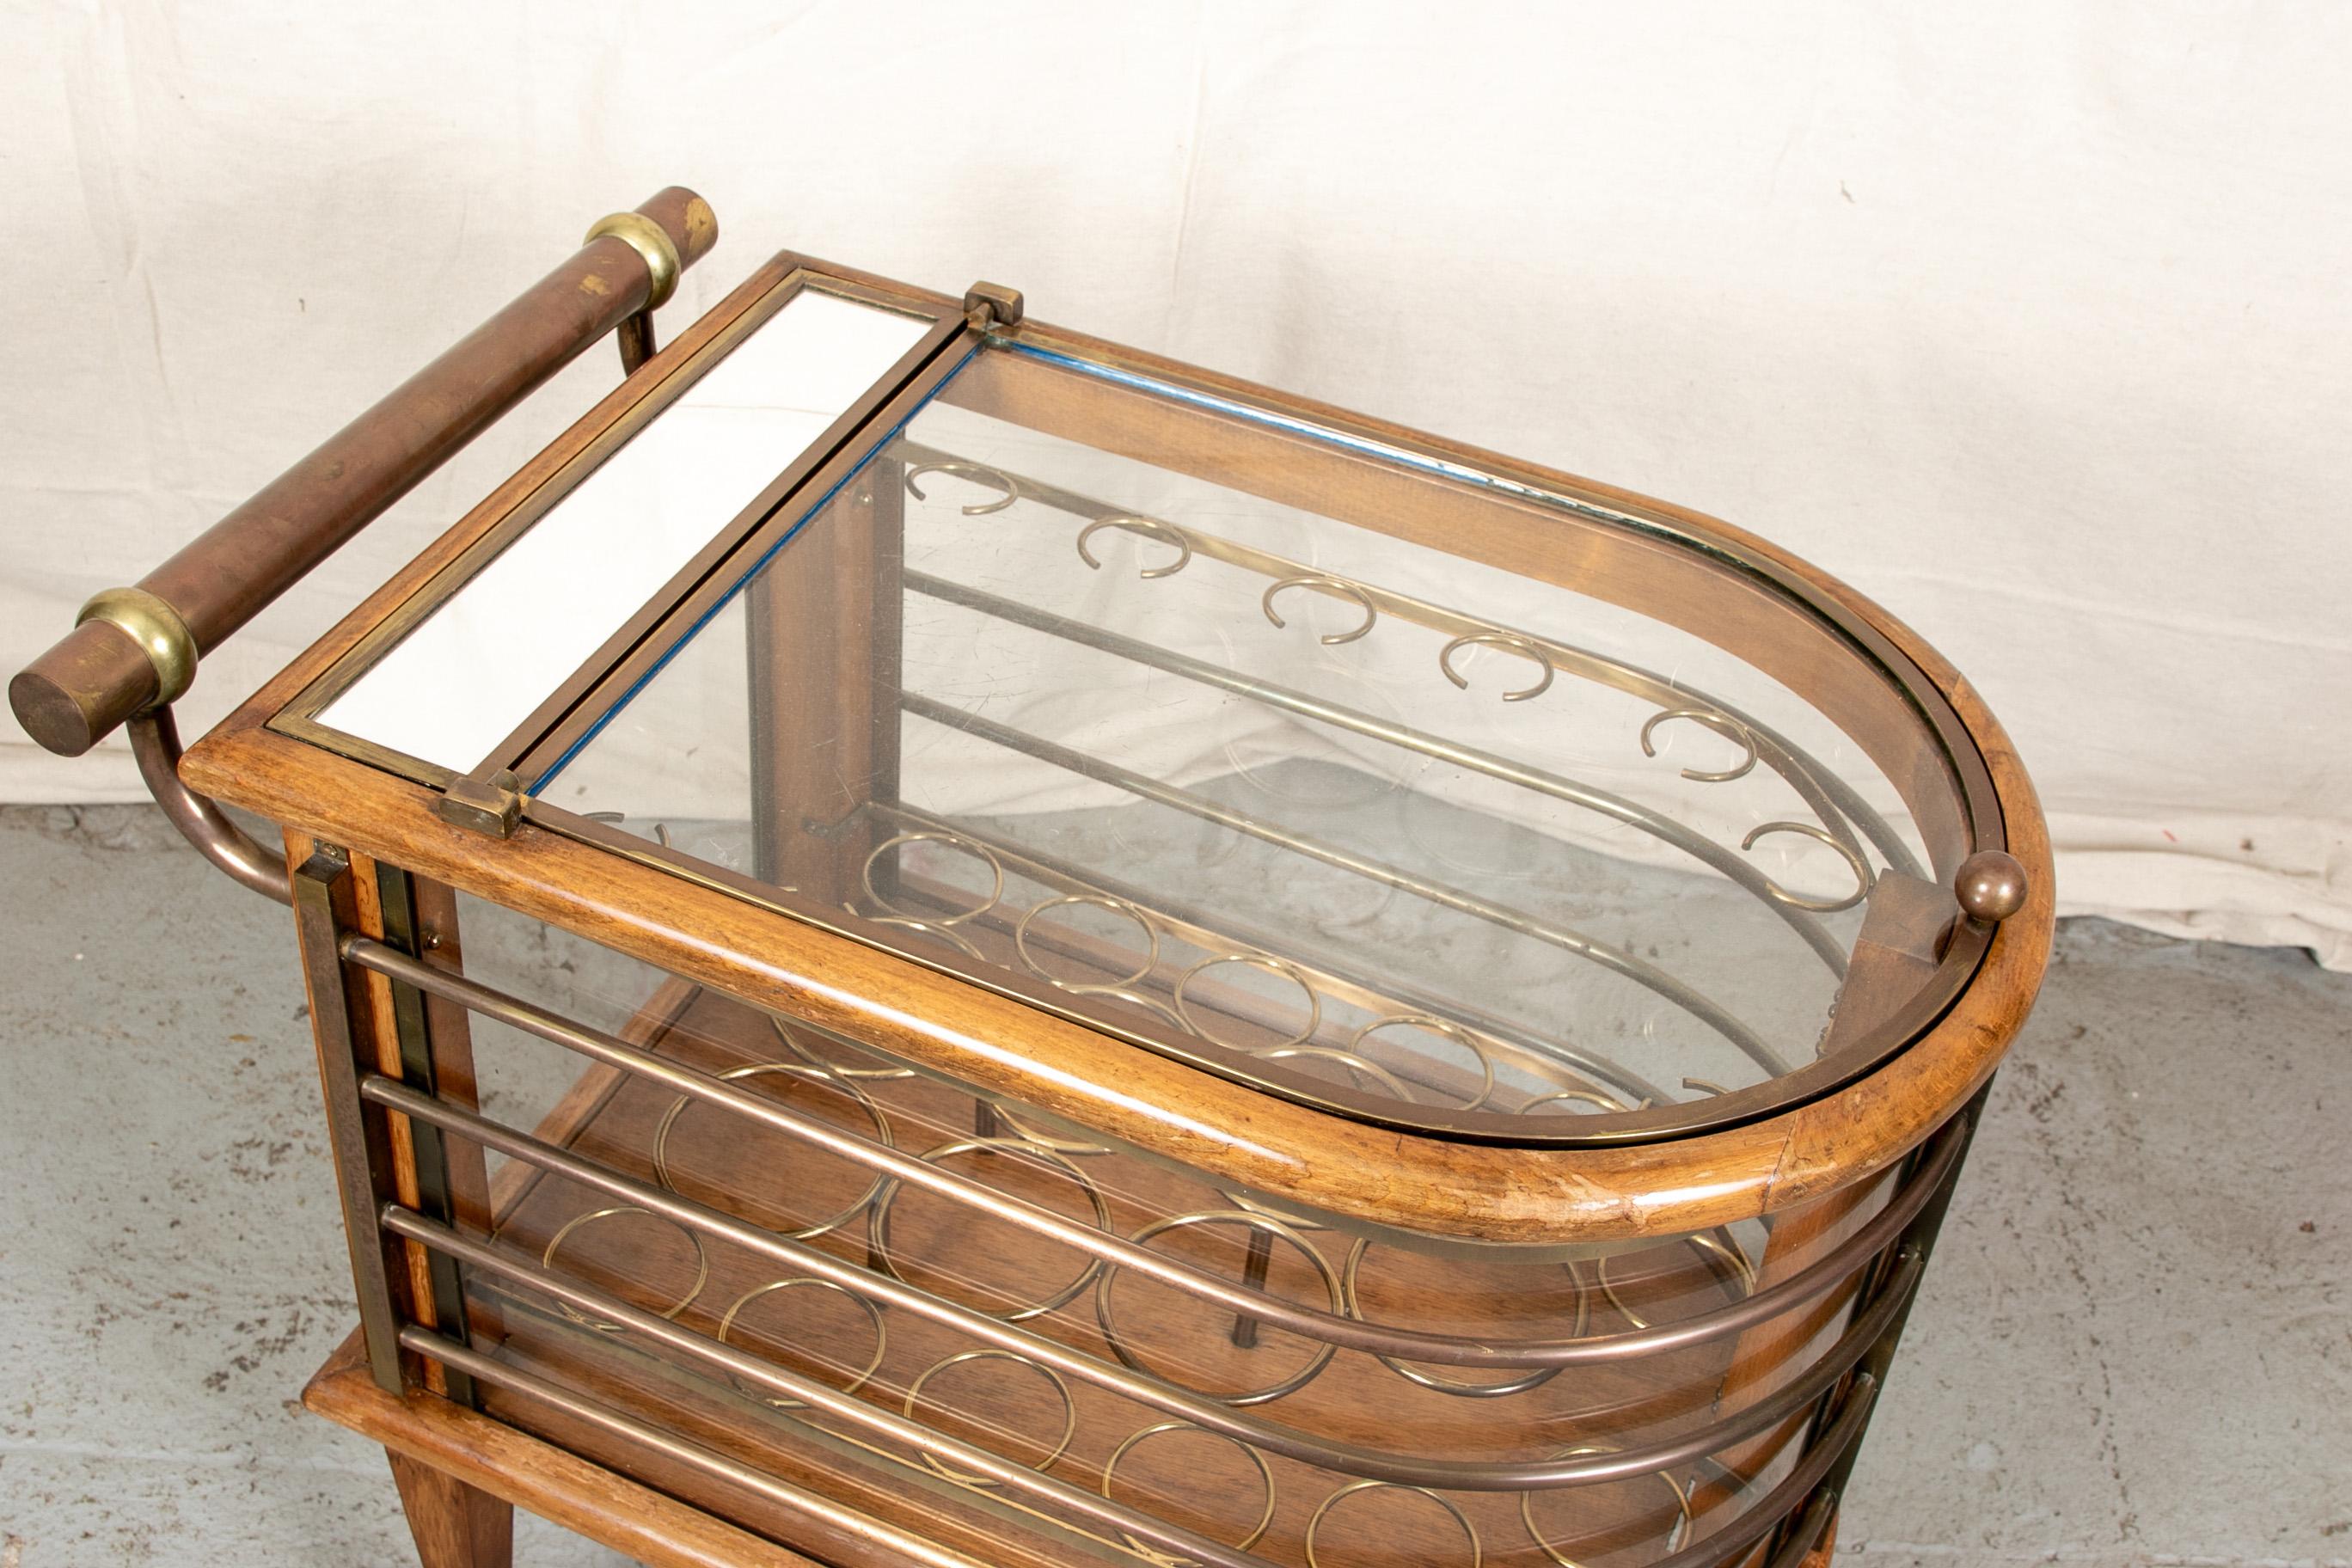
2029,321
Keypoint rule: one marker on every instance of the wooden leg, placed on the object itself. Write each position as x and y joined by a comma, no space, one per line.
455,1525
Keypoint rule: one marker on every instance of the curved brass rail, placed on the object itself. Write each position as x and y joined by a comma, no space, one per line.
1891,1297
1333,1327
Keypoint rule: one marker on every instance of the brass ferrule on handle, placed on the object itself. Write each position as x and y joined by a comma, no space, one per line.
136,649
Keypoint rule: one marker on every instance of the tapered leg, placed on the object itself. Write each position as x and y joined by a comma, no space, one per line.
455,1525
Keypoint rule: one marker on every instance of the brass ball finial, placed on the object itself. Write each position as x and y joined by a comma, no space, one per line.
1990,886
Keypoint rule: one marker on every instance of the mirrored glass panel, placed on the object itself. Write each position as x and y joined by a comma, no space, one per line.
485,659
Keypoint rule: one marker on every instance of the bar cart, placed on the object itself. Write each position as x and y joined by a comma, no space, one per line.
934,942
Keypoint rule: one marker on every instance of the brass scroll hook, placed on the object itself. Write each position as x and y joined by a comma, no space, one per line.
1729,728
1511,640
1338,585
978,473
1150,528
1863,878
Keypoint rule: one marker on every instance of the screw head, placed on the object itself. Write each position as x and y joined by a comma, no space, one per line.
1990,886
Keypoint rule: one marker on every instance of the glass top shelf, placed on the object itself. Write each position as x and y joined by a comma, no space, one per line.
1368,772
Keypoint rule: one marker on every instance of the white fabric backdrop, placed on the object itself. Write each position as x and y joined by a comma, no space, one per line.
2034,321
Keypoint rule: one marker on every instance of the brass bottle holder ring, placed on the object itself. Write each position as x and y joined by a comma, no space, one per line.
1092,901
1323,1510
1272,965
1263,1224
878,1230
1352,1302
1266,1473
954,841
873,1316
1675,1536
1719,1250
1445,1028
1069,1411
556,1243
804,1073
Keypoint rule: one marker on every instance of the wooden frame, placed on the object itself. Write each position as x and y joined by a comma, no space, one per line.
1815,1162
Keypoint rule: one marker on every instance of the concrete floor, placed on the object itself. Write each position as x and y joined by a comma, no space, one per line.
2134,1345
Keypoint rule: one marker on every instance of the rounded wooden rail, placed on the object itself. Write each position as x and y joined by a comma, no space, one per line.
133,644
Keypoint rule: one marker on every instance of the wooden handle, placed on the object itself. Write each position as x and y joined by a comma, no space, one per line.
100,673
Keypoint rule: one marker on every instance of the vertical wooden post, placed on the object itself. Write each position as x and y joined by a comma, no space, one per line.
822,641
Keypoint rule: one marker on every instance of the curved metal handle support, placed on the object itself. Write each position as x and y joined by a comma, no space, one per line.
155,744
133,647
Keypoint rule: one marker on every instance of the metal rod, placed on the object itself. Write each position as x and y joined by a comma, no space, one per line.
1192,923
1333,1327
155,747
1744,873
1827,795
98,676
842,1524
1614,959
604,1307
1217,1416
637,340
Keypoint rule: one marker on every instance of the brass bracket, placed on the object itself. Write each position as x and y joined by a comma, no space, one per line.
991,306
653,243
491,806
158,630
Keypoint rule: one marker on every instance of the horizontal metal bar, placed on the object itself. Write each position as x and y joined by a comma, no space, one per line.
1345,1457
848,1408
1614,959
1794,1491
1752,1524
1313,1323
823,1512
1339,716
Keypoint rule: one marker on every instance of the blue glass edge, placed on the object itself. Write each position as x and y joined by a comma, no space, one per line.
1386,451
